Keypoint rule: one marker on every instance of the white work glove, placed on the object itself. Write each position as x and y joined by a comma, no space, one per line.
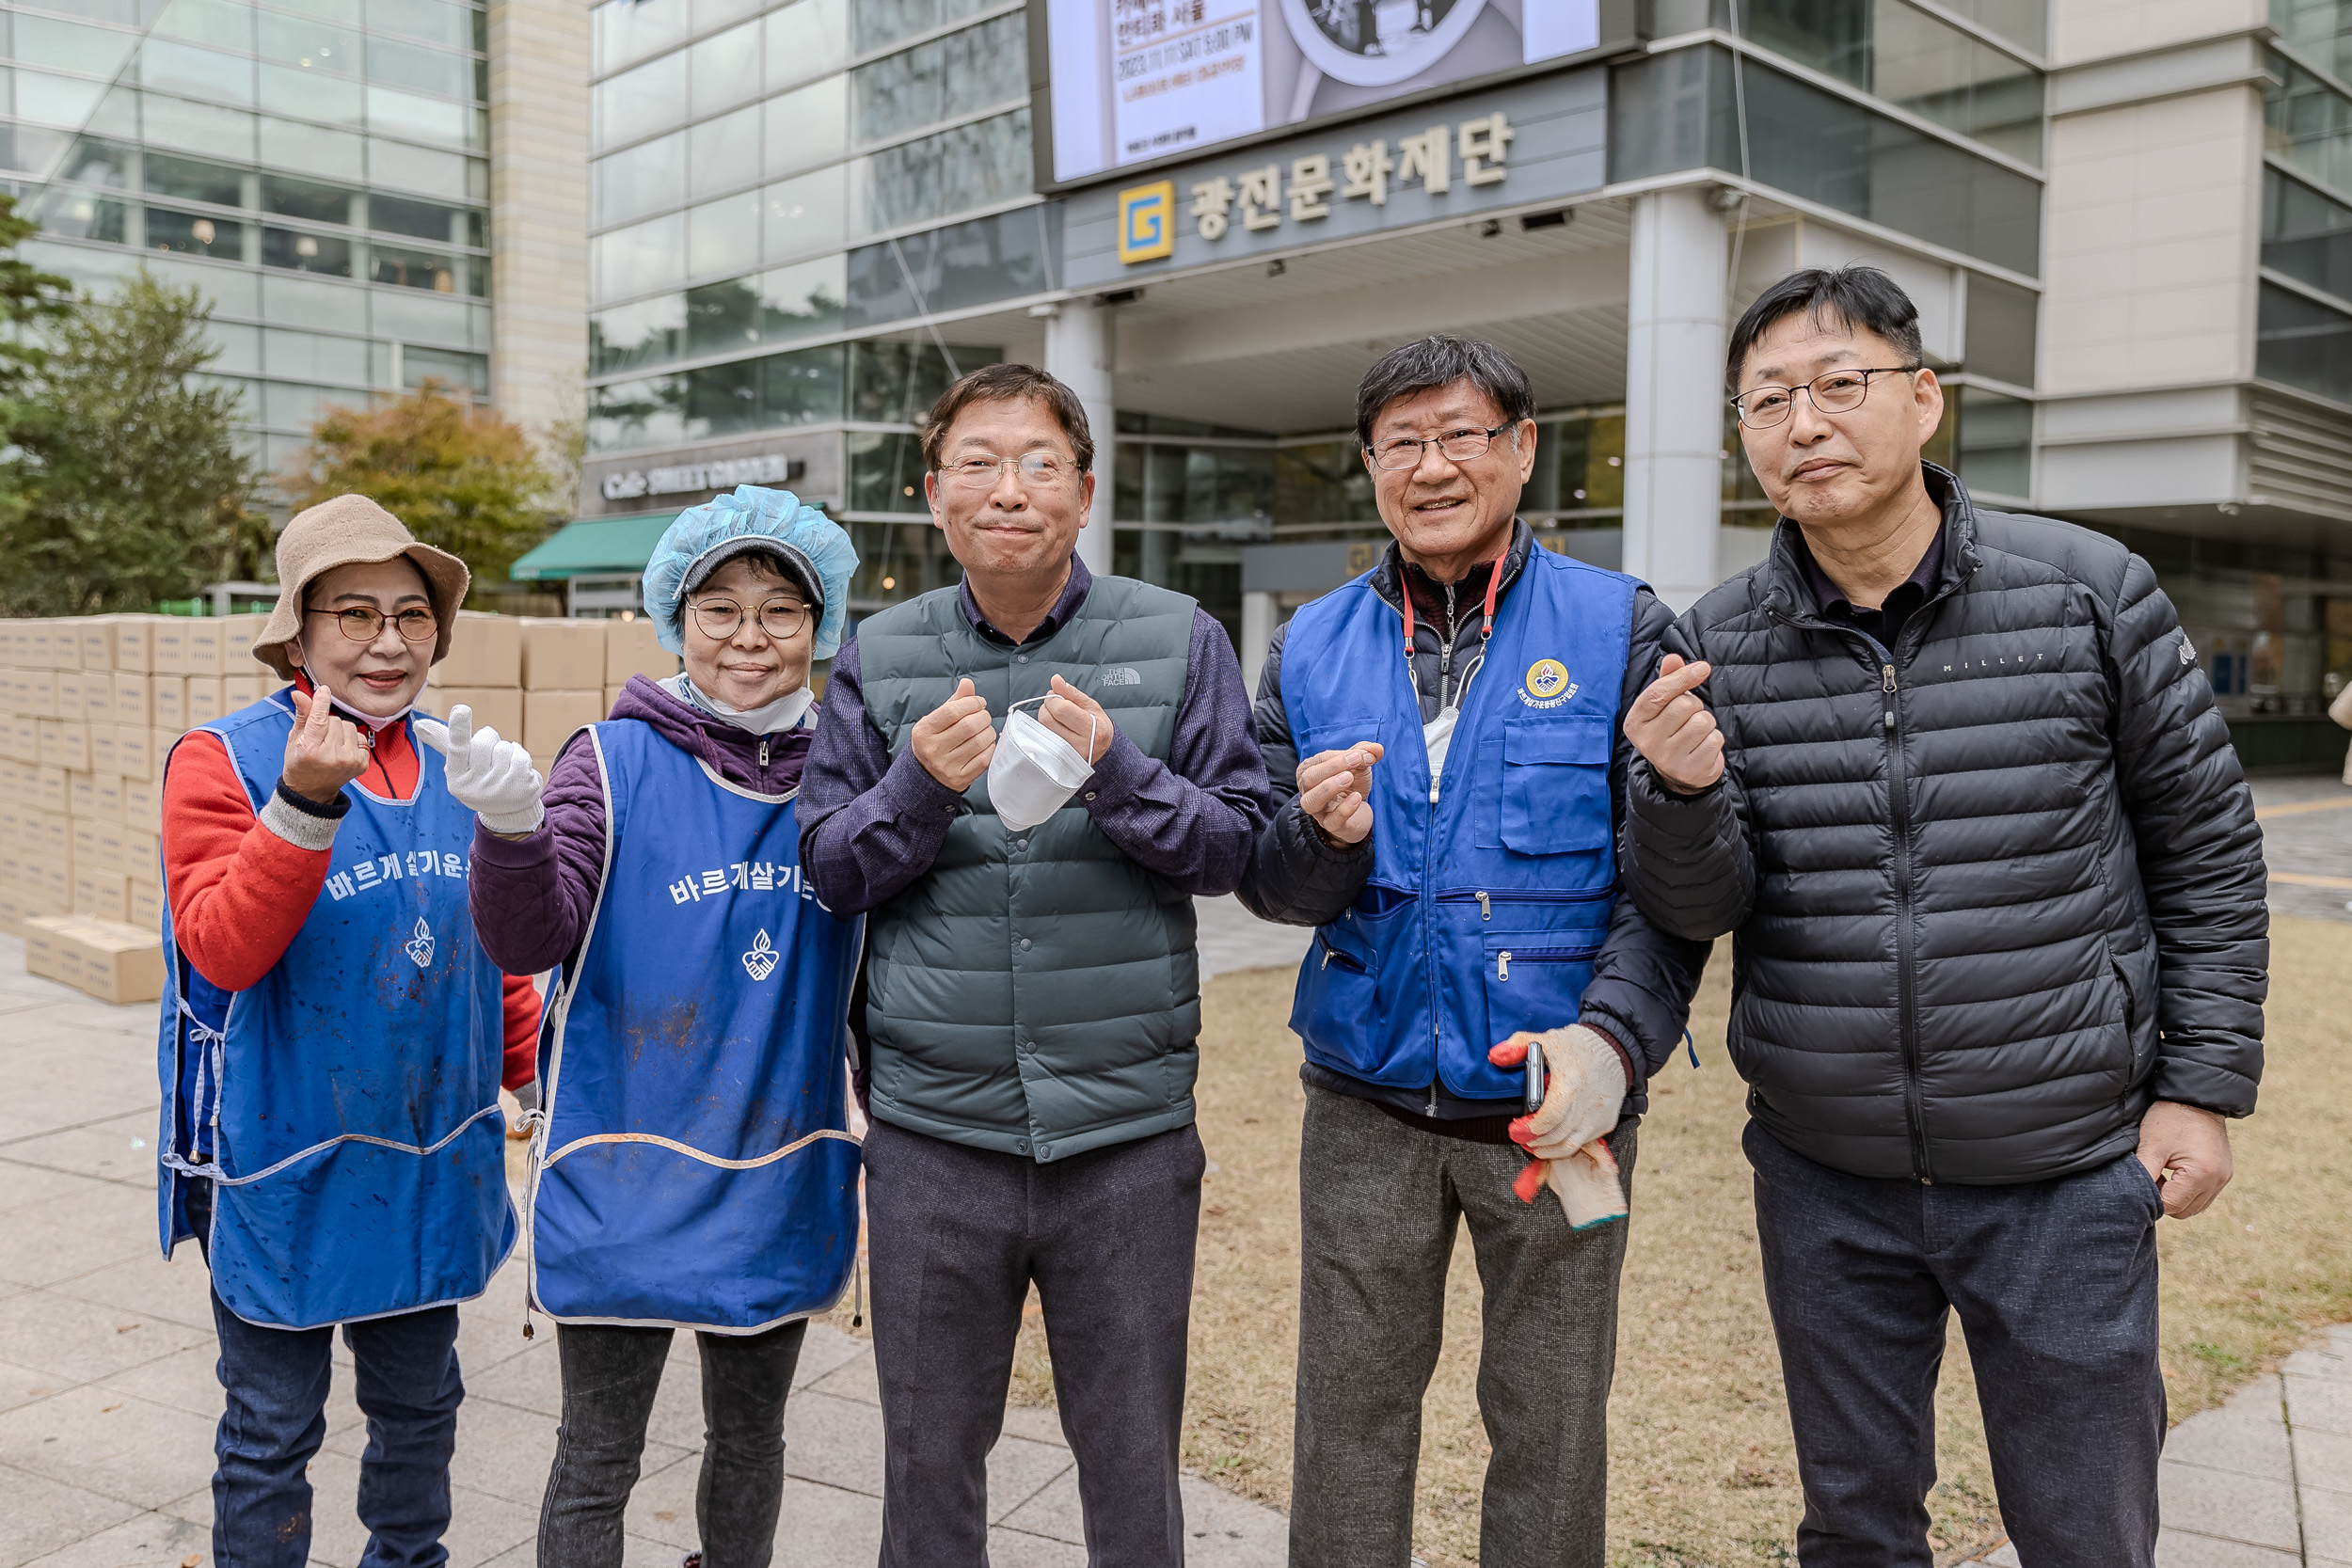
491,777
1584,1095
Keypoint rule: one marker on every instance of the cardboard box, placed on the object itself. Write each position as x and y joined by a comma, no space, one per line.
49,836
105,796
501,707
168,645
550,716
104,893
20,738
240,691
237,633
167,702
134,752
132,642
50,877
159,745
71,701
83,846
201,645
48,789
561,655
65,643
15,838
131,693
111,961
65,743
146,907
143,805
142,857
484,650
81,796
40,694
630,649
204,699
41,655
105,749
97,642
115,849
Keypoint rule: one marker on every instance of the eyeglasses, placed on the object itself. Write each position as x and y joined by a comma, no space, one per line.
780,619
1459,446
1835,393
363,622
1036,471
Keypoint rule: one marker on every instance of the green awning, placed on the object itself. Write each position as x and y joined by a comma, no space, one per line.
596,546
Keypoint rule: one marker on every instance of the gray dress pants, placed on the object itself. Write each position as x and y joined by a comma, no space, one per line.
955,1237
1379,1204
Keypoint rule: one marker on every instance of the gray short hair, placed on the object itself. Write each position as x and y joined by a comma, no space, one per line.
1441,361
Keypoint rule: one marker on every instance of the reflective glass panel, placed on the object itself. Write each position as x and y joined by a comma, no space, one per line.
2320,31
56,100
436,20
80,215
435,271
640,178
979,68
999,257
810,38
938,176
425,220
404,114
313,94
193,180
2307,122
640,260
309,43
295,251
2304,344
726,69
2003,329
192,234
644,413
896,383
94,162
638,102
45,40
807,127
626,31
306,199
2306,234
1994,443
724,153
200,73
806,215
881,22
468,371
635,336
222,23
409,65
724,236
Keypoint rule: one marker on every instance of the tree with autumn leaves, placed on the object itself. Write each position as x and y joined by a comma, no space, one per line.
462,476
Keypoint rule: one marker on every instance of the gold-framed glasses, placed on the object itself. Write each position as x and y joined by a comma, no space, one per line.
780,619
1832,392
1035,471
364,623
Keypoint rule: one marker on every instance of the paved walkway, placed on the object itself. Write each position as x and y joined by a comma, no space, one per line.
107,1397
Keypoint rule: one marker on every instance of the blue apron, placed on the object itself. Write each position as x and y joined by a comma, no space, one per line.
695,1169
1487,904
345,1106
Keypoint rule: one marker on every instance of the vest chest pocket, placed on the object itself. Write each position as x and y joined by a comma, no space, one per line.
1535,981
1555,784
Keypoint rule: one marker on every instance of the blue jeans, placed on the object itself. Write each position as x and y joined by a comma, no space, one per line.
406,1381
2055,1283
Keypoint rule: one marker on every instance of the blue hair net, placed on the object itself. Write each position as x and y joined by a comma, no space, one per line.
729,525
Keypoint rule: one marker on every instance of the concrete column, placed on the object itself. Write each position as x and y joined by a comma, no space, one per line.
1081,337
1258,612
539,212
1674,398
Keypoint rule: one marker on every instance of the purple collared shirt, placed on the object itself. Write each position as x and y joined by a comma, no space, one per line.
871,824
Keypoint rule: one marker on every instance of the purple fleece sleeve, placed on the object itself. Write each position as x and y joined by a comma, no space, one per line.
532,896
869,825
1194,818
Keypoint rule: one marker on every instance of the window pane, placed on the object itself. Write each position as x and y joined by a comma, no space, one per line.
340,155
805,215
417,169
896,383
202,72
438,272
193,180
315,357
2305,234
239,349
313,95
2002,329
408,65
222,23
1940,73
426,220
323,254
724,236
2304,344
964,73
626,31
726,152
884,21
79,215
468,371
804,387
288,300
2025,23
726,68
803,300
808,127
71,46
640,102
937,177
2308,123
994,257
808,38
197,127
632,337
404,114
309,43
640,260
58,100
635,182
435,20
629,414
97,163
189,235
1993,446
305,199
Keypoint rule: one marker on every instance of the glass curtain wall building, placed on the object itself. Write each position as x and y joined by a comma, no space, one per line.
320,171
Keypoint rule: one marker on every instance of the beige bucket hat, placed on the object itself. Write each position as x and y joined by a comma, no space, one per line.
352,531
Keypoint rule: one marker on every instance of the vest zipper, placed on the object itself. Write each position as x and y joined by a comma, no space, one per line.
1523,955
1906,990
763,753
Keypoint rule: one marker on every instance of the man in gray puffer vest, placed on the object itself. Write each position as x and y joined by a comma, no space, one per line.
1033,993
1954,781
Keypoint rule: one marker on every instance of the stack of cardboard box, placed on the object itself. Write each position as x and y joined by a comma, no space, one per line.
537,680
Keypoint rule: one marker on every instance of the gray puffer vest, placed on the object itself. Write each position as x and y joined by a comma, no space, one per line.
1035,993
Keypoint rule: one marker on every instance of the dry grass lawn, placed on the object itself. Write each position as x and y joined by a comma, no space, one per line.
1702,1469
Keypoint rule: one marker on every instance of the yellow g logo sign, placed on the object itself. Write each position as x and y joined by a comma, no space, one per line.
1147,222
1546,676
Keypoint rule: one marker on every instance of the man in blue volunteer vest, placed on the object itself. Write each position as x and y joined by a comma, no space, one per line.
331,1045
1442,737
1035,996
694,1167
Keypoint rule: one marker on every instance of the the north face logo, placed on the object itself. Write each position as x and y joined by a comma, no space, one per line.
1121,675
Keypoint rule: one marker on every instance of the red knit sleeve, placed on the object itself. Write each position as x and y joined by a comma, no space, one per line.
522,1032
239,894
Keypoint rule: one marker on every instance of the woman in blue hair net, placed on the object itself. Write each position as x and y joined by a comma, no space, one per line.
693,1168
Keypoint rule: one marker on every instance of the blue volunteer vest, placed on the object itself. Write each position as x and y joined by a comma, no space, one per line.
695,1169
1486,906
345,1107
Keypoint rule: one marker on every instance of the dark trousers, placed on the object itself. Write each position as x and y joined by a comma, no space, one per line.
955,1237
611,1377
404,1377
1380,1204
2055,1283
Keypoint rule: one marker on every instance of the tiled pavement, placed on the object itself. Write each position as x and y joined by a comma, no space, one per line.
107,1399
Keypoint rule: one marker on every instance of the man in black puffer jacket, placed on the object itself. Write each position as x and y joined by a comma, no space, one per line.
1955,783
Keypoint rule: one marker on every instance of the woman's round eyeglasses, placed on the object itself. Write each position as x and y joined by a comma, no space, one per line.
364,623
780,619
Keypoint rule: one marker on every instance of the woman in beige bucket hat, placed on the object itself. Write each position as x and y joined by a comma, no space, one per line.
332,1044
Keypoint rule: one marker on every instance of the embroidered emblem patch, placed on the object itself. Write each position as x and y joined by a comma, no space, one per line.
1547,684
761,961
419,944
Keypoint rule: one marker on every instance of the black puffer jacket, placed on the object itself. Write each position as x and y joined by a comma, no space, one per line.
1993,891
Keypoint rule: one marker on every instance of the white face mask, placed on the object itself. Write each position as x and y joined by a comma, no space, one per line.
1034,771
